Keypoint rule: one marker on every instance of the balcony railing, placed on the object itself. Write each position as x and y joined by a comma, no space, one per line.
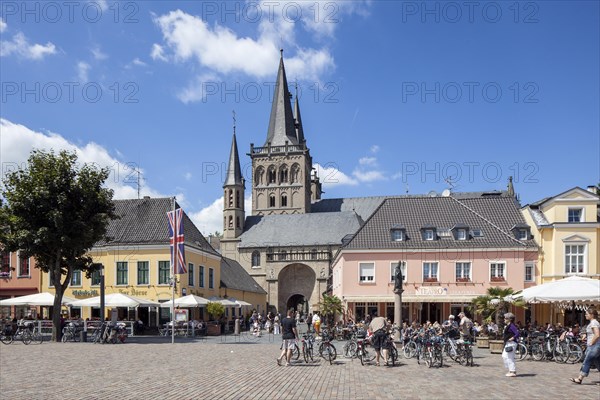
299,256
288,148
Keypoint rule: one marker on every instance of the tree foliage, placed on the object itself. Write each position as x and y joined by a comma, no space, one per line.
215,309
493,306
56,211
330,306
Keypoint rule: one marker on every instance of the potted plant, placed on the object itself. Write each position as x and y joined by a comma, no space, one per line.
215,310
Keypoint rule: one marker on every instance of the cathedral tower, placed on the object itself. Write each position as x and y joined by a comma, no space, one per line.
281,168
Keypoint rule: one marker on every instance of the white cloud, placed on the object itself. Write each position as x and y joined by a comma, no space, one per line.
157,52
368,176
20,46
196,89
210,218
222,51
368,161
331,176
374,149
136,62
82,69
103,4
3,25
18,141
188,176
98,54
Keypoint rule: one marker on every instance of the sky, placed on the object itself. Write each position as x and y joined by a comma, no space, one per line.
396,97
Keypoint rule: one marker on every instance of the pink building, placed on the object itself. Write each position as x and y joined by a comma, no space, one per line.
451,249
18,277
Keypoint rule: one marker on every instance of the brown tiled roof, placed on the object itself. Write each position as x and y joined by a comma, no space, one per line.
144,221
493,214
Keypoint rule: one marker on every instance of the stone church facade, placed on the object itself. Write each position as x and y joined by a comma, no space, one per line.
288,241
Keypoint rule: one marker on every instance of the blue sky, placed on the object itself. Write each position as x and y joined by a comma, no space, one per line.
395,96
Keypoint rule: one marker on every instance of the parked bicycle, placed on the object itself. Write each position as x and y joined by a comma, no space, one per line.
326,348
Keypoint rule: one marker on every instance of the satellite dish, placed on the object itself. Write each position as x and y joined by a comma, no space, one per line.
432,194
446,193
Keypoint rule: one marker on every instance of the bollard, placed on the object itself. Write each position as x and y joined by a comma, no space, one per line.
83,336
236,329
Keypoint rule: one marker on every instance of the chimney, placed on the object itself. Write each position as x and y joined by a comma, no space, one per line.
592,189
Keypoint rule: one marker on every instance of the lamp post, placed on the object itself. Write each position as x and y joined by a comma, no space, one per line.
102,293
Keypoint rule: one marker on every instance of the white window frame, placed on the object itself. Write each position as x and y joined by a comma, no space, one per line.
470,274
167,283
430,275
80,278
19,275
584,255
429,234
461,234
399,232
137,273
529,265
581,214
393,270
366,264
9,276
117,273
191,276
496,274
522,234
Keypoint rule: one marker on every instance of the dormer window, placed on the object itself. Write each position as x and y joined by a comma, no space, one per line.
575,215
461,234
521,231
428,234
398,233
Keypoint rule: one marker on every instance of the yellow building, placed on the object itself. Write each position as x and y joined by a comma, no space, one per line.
136,261
567,229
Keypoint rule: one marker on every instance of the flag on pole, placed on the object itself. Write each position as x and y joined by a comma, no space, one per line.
176,225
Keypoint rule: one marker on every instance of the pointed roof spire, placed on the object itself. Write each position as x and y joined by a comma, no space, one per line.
281,124
299,129
234,172
511,188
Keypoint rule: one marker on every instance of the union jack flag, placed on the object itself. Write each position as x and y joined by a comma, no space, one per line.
176,225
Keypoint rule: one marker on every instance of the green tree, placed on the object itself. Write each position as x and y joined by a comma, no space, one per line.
56,211
215,309
493,305
330,306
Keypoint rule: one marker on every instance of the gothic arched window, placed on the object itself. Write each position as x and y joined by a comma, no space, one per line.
255,258
284,200
283,174
272,200
272,175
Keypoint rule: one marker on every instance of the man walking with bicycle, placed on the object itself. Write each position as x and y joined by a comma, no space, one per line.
379,328
289,335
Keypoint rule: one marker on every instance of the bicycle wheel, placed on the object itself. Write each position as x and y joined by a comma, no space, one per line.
349,350
575,353
26,337
537,351
65,337
296,352
393,355
309,350
560,353
329,353
520,352
6,339
410,350
37,337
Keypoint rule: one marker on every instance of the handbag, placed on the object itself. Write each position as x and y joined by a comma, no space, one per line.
508,348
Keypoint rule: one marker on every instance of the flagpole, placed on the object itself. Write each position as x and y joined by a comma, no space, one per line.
173,266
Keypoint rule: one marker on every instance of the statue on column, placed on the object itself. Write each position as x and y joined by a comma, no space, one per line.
398,279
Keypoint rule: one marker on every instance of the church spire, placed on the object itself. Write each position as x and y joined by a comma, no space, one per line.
281,123
234,172
298,119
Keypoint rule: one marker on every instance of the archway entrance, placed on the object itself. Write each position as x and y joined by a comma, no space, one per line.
296,283
298,303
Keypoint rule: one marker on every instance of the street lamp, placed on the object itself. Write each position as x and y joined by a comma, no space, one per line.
101,293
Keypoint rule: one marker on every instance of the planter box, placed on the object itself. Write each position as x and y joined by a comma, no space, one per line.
496,346
483,342
213,329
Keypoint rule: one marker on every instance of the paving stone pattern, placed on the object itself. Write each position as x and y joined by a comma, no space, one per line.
245,368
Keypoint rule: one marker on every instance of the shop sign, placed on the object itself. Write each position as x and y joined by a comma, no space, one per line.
431,291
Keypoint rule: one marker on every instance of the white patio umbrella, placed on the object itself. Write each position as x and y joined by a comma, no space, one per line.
191,300
115,300
573,288
242,303
37,299
225,302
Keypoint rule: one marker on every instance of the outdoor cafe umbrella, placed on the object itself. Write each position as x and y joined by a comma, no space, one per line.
191,300
115,300
37,299
225,302
573,288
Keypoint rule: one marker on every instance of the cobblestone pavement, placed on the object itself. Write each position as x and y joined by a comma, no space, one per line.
224,368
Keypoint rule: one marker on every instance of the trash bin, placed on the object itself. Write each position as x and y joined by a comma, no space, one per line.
83,336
